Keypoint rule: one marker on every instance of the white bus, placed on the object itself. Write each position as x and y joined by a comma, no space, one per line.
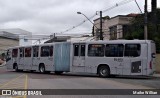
105,58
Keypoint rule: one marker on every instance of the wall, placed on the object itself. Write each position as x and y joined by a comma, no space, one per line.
5,43
117,21
158,63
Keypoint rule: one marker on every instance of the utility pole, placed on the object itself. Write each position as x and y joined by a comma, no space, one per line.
145,21
101,33
154,12
93,31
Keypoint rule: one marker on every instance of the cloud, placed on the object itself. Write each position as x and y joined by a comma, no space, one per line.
52,16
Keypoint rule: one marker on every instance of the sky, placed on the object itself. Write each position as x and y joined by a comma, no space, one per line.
46,17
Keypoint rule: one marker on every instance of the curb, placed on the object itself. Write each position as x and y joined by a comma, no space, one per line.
156,75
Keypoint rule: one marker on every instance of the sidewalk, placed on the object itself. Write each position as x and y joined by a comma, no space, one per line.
157,75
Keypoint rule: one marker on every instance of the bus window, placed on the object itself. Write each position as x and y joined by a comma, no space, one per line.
8,56
14,52
28,52
96,50
82,50
51,51
132,50
76,50
45,51
114,50
35,51
21,52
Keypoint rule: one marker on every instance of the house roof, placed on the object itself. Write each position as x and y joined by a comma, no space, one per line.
129,15
17,31
13,33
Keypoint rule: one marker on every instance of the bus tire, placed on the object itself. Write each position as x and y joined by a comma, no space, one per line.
104,71
15,66
41,69
58,72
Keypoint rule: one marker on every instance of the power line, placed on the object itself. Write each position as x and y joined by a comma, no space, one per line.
138,6
108,9
105,10
78,24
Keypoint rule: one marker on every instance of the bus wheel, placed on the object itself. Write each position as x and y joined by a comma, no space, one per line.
104,71
58,72
42,69
16,68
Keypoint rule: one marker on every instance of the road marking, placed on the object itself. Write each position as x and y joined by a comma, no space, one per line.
14,87
10,81
25,83
17,97
19,82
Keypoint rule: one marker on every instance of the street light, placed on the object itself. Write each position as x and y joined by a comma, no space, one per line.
100,30
87,18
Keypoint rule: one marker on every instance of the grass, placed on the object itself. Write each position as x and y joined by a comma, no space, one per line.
158,63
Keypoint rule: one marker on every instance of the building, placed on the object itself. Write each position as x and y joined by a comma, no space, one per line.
113,28
13,37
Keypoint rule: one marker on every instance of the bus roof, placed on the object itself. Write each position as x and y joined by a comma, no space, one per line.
93,42
116,41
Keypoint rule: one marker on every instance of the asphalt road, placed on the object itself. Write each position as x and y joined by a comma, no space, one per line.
27,80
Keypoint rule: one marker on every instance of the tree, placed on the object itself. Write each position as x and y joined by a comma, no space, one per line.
136,29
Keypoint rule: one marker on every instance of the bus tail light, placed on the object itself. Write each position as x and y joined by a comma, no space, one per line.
150,65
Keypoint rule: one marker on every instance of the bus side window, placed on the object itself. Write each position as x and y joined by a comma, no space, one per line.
8,55
132,50
14,52
45,51
35,51
76,50
96,50
51,51
28,52
82,50
21,50
114,50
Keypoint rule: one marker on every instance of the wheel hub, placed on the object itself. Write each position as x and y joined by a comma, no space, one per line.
104,71
42,69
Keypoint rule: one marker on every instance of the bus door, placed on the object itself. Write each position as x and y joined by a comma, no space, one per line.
21,58
28,58
36,58
15,56
46,57
79,54
132,60
9,62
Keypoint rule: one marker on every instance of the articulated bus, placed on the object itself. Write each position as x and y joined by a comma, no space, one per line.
105,58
